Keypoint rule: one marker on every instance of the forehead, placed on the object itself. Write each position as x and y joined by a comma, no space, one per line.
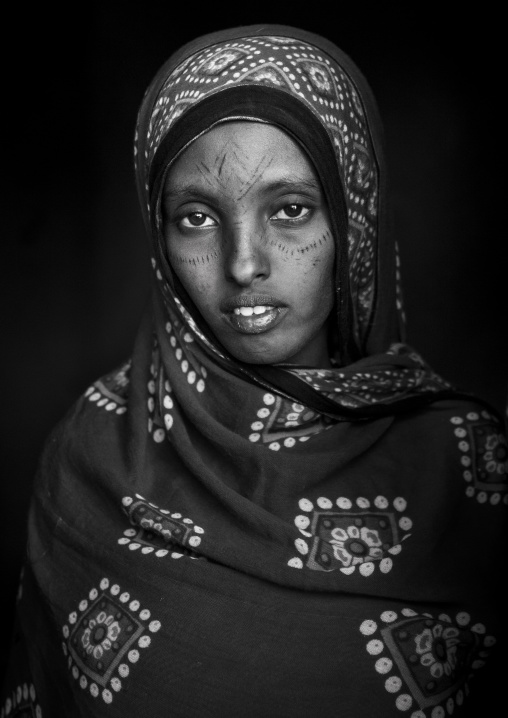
244,149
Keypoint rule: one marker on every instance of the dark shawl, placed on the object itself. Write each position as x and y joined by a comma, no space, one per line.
209,538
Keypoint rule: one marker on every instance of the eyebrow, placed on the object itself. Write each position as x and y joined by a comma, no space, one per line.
289,184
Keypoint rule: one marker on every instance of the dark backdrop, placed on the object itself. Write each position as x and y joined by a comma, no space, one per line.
75,271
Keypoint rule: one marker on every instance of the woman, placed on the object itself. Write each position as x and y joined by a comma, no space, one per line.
275,508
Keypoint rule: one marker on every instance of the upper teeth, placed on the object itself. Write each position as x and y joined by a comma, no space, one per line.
249,311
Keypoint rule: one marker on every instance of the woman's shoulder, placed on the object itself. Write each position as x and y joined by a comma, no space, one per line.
466,412
94,419
470,436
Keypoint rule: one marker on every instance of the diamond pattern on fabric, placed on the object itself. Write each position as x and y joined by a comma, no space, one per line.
105,637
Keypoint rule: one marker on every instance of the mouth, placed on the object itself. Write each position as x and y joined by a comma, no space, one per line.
253,314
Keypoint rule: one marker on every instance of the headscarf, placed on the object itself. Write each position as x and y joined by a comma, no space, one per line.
322,101
216,538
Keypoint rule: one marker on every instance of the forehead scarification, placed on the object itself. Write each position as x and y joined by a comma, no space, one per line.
236,159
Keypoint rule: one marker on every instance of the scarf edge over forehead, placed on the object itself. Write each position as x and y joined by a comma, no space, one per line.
384,329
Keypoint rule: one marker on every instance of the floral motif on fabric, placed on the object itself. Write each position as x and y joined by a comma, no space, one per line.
159,531
282,423
483,455
362,169
22,703
426,661
319,77
350,536
220,61
269,74
105,638
111,391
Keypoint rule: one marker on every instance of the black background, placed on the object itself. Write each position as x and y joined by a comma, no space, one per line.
75,260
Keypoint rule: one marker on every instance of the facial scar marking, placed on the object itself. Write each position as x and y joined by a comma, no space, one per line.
262,165
204,170
203,259
301,250
223,159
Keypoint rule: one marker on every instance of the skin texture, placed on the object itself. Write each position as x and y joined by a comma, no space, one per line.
244,215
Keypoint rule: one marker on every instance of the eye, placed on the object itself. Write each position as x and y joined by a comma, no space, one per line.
197,219
292,212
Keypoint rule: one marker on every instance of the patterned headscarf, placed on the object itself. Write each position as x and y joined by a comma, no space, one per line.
317,96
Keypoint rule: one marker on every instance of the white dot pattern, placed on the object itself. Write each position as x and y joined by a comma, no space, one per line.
105,603
351,535
482,453
407,674
178,531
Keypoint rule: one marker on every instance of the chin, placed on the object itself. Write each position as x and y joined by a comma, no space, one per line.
249,357
257,355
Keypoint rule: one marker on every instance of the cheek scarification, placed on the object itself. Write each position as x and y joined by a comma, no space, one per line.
316,243
299,252
197,260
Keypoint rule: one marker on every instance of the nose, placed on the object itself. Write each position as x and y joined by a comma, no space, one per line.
246,255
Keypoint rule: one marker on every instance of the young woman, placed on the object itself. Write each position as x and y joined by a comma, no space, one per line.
275,508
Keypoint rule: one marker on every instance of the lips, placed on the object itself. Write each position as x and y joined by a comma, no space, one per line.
253,313
250,300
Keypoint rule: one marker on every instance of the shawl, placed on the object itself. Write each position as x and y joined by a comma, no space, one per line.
214,538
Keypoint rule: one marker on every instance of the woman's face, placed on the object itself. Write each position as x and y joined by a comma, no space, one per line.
247,232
